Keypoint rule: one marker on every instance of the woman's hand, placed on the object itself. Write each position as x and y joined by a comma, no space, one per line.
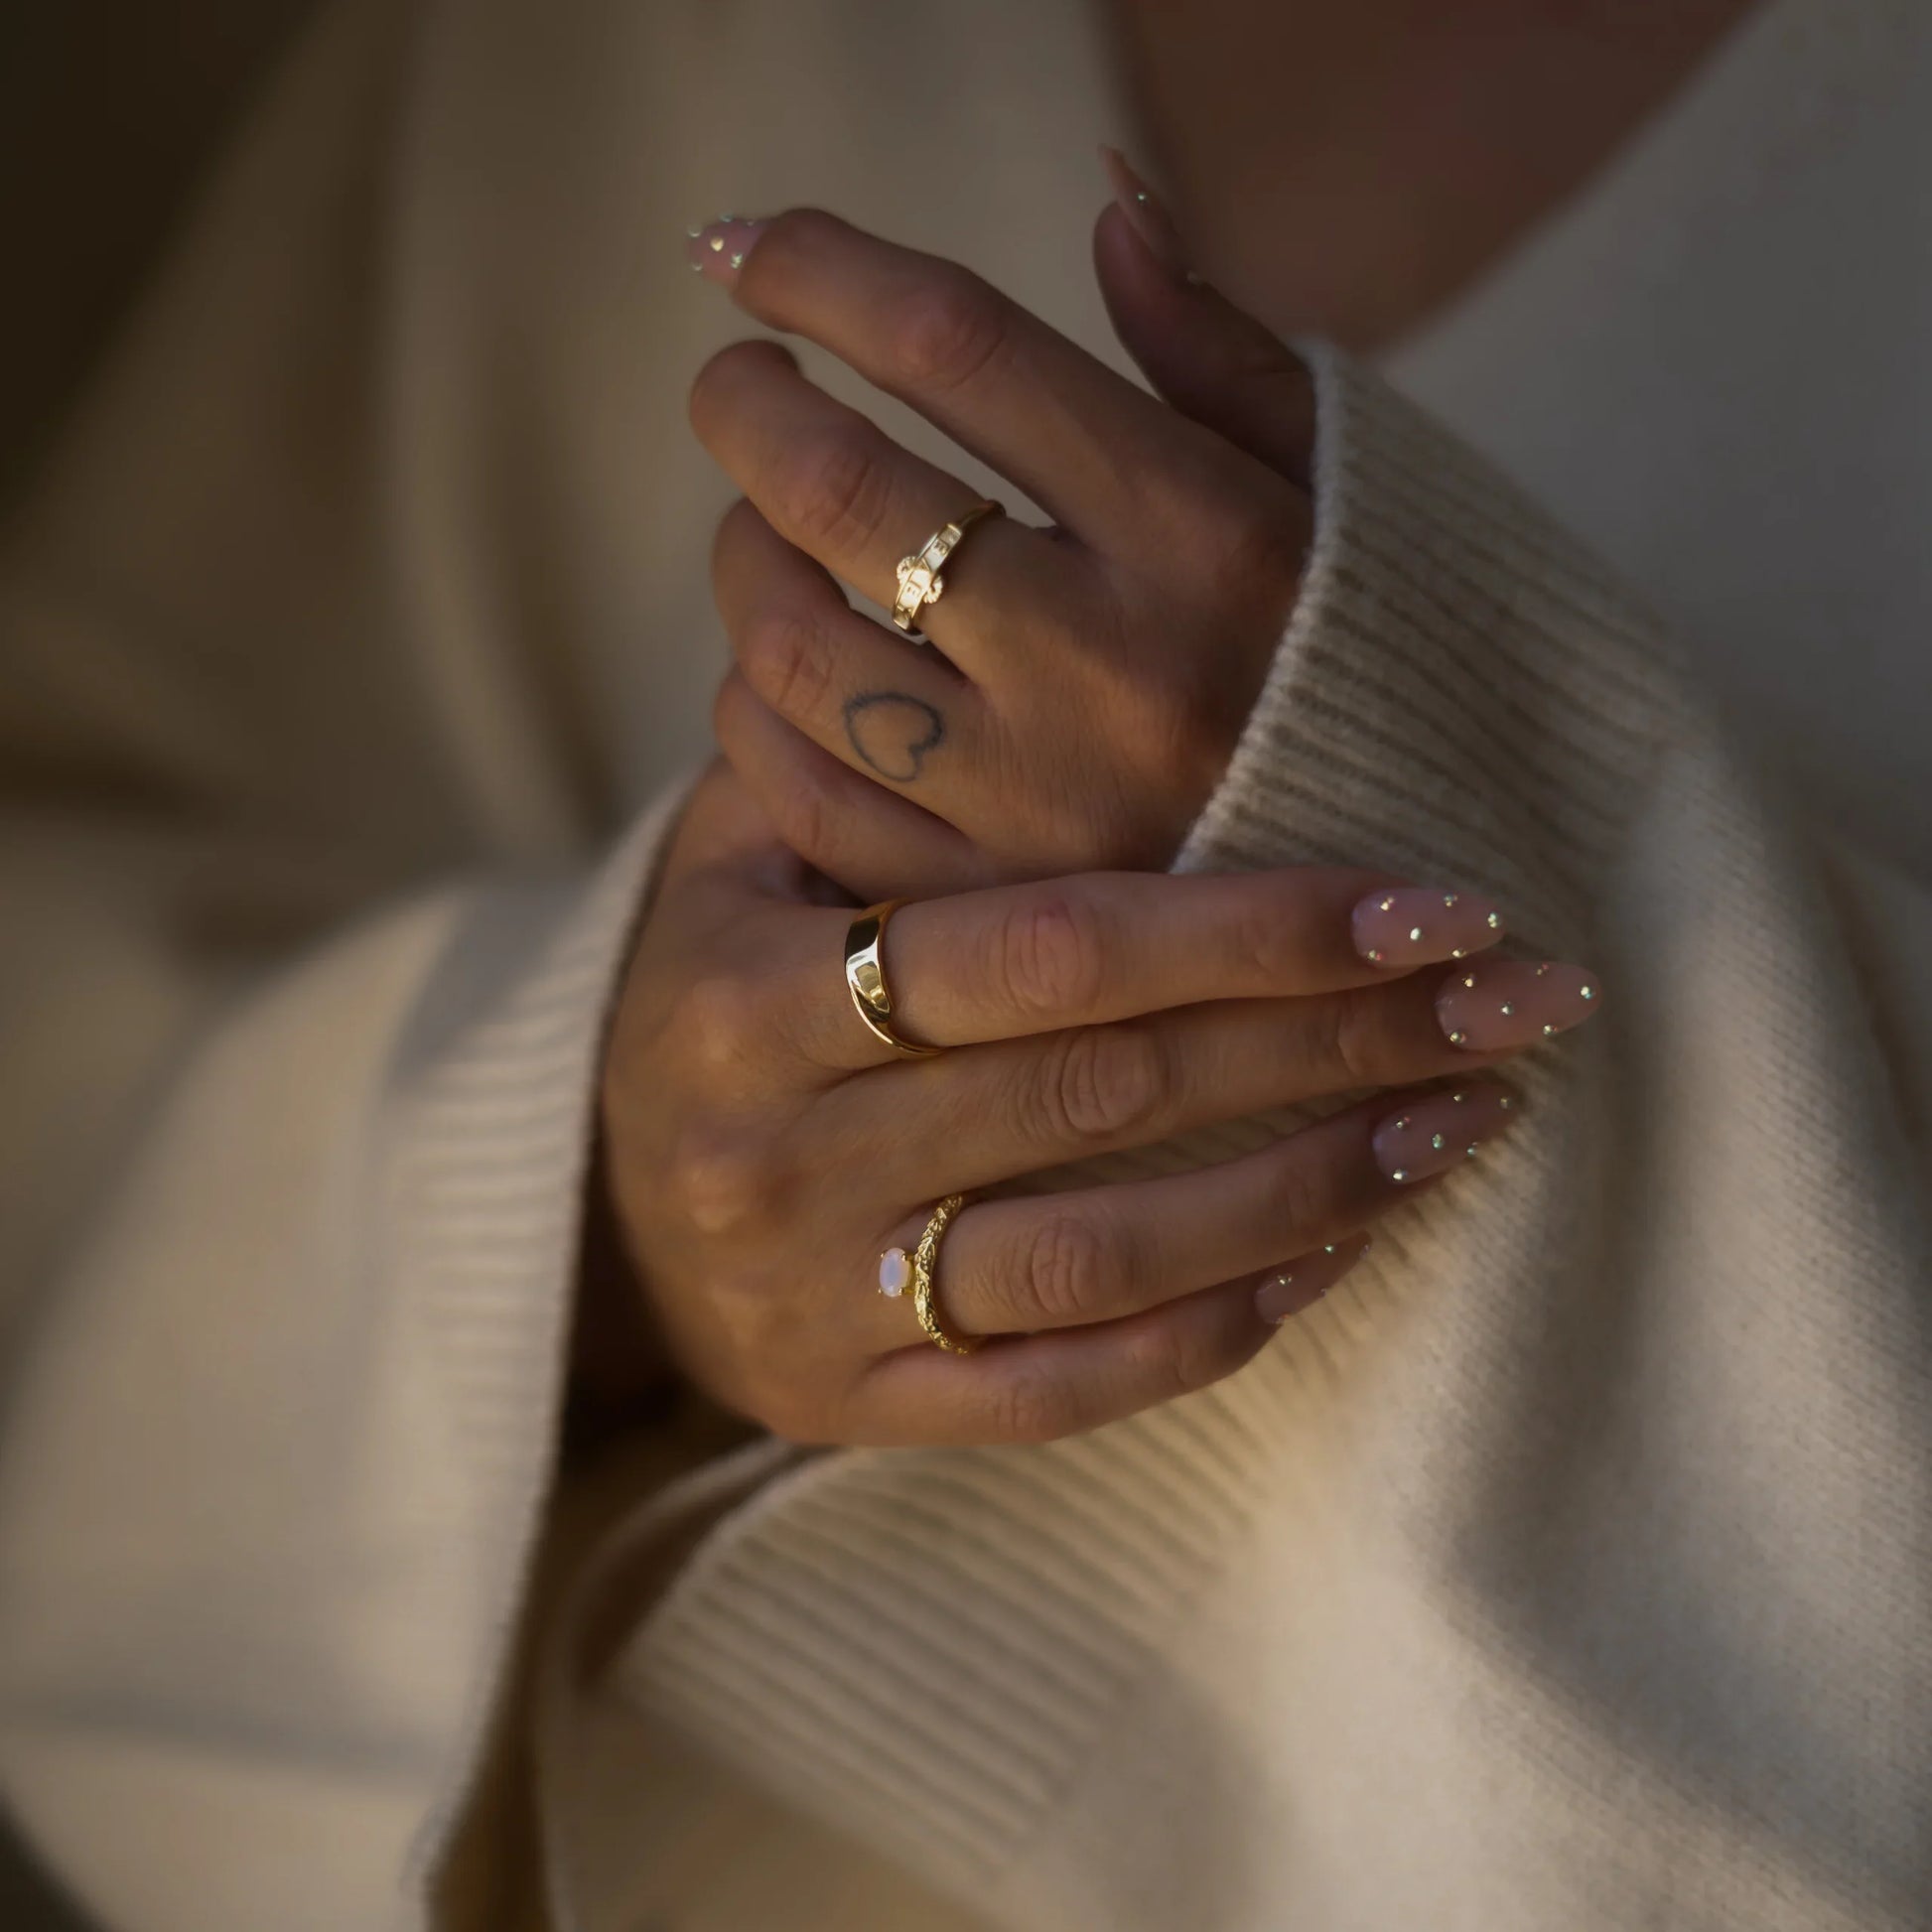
1089,681
763,1148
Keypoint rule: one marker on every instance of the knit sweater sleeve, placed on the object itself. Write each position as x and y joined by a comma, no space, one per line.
282,1424
1568,1567
1681,1406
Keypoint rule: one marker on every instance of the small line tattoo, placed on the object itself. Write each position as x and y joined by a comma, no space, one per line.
892,732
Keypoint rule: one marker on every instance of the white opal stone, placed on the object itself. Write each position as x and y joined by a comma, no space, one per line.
895,1272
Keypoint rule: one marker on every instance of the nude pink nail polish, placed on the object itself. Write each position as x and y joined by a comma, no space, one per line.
1147,214
1503,1003
721,248
1306,1281
1441,1131
1412,925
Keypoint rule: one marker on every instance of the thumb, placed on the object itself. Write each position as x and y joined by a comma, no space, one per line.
1210,359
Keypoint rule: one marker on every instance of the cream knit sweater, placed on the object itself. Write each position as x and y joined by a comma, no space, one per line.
1571,1569
1572,1572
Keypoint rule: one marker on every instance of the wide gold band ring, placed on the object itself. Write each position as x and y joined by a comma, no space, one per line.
864,980
925,1288
919,582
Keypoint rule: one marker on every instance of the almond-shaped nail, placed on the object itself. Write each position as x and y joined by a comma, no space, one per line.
1147,215
1303,1283
1504,1003
1412,925
1441,1131
721,248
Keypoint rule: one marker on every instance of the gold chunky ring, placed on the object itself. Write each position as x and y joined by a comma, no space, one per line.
864,980
925,1258
919,582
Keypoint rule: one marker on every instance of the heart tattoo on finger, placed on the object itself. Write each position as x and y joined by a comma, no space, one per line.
892,732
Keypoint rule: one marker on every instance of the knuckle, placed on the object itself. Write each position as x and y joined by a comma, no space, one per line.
1256,549
949,328
721,1183
1354,1039
831,488
719,1015
783,662
1065,1270
1052,955
1105,1084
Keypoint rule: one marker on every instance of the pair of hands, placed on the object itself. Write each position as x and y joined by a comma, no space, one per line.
1084,694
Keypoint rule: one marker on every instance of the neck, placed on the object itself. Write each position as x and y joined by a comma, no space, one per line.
1346,170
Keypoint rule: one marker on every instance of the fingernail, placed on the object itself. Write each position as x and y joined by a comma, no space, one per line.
1147,214
1509,1003
721,248
1411,925
1431,1135
1305,1282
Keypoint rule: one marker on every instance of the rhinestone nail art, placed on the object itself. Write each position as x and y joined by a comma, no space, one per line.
1505,1004
1411,925
1291,1290
1438,1134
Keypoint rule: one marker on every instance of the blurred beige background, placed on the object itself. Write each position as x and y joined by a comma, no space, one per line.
108,115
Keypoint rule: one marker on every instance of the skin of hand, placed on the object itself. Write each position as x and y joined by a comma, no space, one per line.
762,1148
1085,684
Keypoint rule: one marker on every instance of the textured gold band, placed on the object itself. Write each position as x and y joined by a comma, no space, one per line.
919,582
925,1258
864,980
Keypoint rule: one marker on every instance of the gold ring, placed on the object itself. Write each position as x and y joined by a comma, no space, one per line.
925,1258
864,980
919,582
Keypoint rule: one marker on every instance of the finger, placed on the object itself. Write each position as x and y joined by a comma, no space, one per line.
836,485
1095,1254
1013,1107
1217,365
1035,1388
1094,947
1097,453
872,843
857,689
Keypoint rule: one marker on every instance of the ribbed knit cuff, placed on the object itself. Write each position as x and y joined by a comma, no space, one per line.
926,1648
1461,696
485,1158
